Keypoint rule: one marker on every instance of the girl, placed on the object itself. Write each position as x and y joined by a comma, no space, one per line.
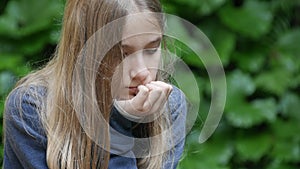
98,103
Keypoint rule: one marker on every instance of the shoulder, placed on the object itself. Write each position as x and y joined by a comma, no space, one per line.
29,93
25,141
22,108
23,96
178,107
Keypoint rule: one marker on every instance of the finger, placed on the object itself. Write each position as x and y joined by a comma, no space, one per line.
167,88
154,95
164,90
135,105
139,100
160,103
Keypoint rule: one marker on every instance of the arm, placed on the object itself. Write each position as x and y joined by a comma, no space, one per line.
25,141
177,104
178,111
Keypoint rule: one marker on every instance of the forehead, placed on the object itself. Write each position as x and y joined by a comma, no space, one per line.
140,26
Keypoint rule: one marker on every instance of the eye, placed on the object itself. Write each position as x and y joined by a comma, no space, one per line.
150,51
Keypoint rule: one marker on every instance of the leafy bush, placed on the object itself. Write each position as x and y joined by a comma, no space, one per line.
29,31
258,43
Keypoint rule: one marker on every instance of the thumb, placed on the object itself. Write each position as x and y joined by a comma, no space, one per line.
135,105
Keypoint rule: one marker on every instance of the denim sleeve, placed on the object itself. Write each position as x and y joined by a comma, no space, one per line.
177,104
25,141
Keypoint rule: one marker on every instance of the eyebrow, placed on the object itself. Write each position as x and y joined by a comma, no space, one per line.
157,40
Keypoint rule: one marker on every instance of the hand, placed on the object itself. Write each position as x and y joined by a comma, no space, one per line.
150,99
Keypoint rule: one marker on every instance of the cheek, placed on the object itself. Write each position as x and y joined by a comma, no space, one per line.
126,68
154,64
153,61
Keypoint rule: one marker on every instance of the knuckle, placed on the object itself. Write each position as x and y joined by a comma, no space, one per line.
170,87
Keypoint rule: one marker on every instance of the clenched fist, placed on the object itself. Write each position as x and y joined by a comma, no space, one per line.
149,100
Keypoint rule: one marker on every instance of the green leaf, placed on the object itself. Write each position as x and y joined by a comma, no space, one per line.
190,78
55,35
223,40
290,105
1,105
289,42
267,108
276,164
8,25
8,46
32,45
7,81
168,7
206,7
242,114
286,62
253,147
179,46
286,150
185,53
275,81
195,163
9,61
286,5
14,63
195,46
250,61
2,150
25,17
245,115
239,84
286,129
252,20
213,154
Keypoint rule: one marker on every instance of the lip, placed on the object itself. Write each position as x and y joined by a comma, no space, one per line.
133,90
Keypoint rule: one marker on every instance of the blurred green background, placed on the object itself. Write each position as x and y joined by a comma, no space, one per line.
259,44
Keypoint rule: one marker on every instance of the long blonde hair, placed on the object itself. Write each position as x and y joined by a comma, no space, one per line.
69,146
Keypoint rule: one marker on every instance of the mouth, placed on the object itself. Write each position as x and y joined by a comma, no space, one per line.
133,90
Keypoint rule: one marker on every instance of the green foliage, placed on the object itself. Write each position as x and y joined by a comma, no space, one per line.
27,29
253,19
258,43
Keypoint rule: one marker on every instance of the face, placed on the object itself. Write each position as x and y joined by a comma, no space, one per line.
141,44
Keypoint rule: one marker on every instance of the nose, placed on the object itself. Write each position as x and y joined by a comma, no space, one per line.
140,72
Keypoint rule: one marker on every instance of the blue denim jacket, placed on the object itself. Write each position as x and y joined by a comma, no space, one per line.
25,141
